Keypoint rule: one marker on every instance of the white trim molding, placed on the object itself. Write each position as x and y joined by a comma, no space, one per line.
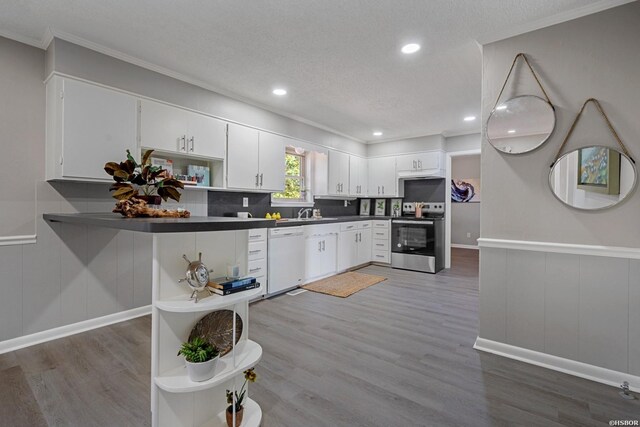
561,248
72,329
459,246
17,240
560,364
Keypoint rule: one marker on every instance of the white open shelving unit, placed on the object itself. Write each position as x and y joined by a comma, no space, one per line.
177,401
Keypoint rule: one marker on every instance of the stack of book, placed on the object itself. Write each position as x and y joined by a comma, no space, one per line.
225,286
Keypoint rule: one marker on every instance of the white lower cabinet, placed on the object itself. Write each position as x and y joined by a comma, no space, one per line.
354,244
320,256
381,242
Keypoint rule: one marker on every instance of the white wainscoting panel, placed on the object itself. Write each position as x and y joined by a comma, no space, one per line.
493,294
634,317
11,291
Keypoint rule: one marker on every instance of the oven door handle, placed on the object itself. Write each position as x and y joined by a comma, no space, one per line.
412,222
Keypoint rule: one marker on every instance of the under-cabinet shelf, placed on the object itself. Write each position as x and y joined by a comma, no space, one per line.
251,418
248,354
183,304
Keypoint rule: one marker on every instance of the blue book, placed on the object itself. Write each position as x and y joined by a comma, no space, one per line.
224,283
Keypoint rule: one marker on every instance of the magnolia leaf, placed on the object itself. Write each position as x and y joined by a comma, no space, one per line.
128,165
130,158
111,167
169,193
124,193
145,157
119,185
138,179
171,182
121,174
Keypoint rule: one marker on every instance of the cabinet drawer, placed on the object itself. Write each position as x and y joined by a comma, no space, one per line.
382,245
381,224
349,226
380,256
381,234
257,250
257,234
364,224
257,268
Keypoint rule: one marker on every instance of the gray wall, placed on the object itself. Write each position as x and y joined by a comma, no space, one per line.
595,56
571,305
465,217
81,62
463,142
22,112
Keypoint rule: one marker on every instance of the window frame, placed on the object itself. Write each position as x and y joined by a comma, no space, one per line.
305,200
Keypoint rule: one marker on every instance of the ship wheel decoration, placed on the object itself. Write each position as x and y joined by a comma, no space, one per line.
197,276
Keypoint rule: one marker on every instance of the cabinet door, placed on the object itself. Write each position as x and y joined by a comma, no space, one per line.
364,246
388,179
347,249
163,127
338,173
98,126
329,254
313,255
363,178
206,136
354,176
378,168
407,162
272,162
242,157
427,161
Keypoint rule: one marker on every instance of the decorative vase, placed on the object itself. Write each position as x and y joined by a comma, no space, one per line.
151,200
239,415
203,371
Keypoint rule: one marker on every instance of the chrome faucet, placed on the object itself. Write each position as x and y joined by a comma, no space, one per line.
305,212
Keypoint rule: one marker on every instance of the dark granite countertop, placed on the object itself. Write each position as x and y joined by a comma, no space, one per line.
329,220
161,225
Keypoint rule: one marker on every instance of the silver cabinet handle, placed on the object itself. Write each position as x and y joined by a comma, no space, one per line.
192,139
261,176
356,237
257,251
183,139
319,246
252,270
257,175
378,189
420,164
324,248
337,188
379,244
383,189
414,164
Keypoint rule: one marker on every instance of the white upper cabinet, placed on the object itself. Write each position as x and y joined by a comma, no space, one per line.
358,176
255,160
172,129
271,160
87,126
383,181
338,180
429,163
242,157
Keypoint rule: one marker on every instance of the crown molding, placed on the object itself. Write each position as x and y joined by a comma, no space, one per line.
562,248
522,28
8,34
53,33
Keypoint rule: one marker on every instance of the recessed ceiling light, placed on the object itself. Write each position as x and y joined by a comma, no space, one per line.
410,48
501,107
511,131
378,133
469,118
280,92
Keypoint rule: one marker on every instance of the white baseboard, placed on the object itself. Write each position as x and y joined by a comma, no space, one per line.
459,246
560,364
74,328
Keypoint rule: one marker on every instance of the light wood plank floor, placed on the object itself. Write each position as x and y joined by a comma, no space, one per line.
396,354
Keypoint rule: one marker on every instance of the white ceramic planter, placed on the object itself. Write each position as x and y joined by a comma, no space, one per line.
199,372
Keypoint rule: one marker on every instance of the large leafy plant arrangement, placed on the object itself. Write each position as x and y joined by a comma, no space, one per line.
132,177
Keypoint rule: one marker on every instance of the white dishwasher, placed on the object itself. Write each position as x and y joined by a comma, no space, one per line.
286,259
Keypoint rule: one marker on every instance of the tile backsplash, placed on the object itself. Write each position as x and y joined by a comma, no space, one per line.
223,203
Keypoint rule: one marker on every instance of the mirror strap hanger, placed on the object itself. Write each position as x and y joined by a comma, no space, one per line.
535,76
607,121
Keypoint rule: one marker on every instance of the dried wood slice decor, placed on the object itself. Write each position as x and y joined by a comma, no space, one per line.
217,328
136,208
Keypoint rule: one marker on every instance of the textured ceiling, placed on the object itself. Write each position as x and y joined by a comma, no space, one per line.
339,59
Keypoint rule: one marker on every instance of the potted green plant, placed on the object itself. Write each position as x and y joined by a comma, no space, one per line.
142,180
237,406
201,358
